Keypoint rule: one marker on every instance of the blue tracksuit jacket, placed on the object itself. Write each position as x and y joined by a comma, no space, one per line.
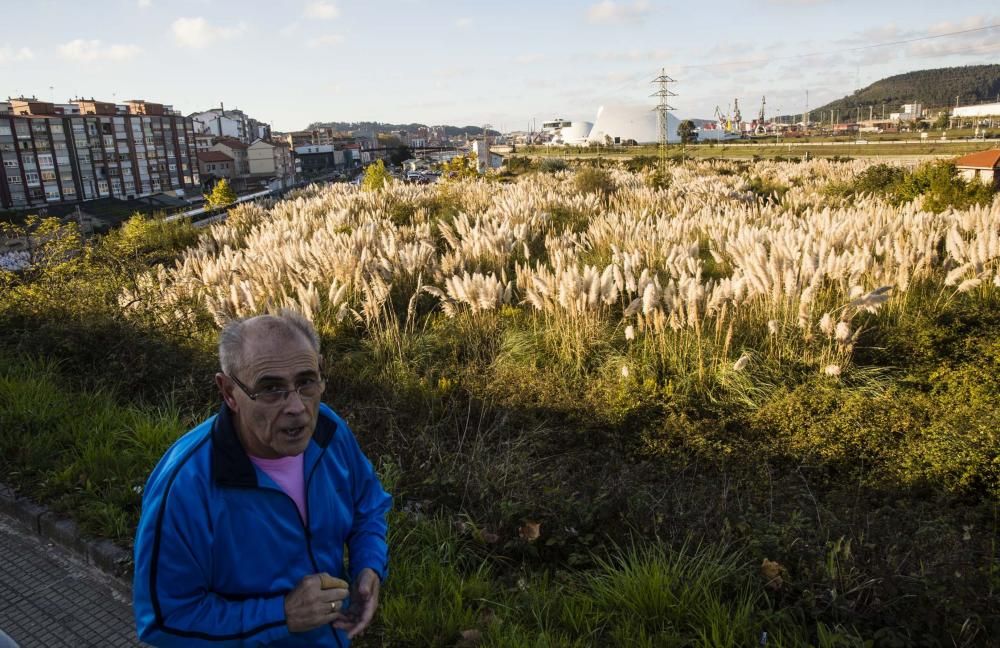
219,544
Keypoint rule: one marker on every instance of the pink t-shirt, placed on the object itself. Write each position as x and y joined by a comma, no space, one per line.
287,473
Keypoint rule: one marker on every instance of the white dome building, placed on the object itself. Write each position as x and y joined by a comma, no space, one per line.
576,133
630,122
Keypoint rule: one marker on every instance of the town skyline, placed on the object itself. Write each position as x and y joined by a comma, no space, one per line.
458,63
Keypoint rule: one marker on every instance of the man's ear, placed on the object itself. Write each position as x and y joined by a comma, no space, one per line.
226,389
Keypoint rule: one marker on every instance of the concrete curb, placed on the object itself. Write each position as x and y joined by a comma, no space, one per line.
113,560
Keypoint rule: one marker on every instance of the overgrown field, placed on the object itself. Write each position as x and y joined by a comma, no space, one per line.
615,407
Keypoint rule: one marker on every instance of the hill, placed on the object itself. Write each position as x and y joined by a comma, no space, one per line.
379,127
932,88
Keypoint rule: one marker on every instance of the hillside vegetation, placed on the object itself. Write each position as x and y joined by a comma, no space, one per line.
933,88
614,407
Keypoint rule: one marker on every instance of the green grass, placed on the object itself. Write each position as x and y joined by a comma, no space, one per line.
81,451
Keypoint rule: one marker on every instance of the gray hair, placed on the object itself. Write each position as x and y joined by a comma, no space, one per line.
233,335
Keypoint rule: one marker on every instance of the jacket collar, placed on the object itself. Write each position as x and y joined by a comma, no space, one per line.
230,464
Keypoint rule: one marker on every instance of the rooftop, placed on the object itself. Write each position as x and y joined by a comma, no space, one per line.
989,159
231,142
213,156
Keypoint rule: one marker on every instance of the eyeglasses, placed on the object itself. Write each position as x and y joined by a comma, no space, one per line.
310,388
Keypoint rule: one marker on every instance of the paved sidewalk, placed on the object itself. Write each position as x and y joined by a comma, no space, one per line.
49,598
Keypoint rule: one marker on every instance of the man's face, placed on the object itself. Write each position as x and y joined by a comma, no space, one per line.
275,360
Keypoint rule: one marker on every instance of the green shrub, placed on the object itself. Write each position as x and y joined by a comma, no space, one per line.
594,180
937,182
766,189
551,165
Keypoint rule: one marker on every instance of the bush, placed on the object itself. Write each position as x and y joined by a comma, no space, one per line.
551,165
594,180
768,190
518,165
937,182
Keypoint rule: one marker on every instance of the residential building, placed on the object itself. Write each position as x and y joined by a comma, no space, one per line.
982,166
214,165
318,136
88,149
319,158
271,160
203,141
237,150
233,123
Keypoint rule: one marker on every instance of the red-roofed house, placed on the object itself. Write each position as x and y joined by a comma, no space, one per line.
214,164
983,166
236,150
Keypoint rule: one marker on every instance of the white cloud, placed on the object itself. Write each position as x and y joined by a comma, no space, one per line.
608,11
144,4
85,51
9,54
452,72
634,54
322,10
198,33
463,22
289,29
529,59
324,41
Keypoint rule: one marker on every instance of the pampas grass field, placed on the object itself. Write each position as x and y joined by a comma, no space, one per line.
727,406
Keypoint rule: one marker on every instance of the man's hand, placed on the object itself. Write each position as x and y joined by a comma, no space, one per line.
364,601
310,606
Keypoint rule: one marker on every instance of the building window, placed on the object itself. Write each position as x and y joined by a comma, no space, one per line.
32,178
10,164
14,179
52,193
45,161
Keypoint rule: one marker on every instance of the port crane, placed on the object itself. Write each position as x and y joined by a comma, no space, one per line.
759,127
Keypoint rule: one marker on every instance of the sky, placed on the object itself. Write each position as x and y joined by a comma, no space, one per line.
294,62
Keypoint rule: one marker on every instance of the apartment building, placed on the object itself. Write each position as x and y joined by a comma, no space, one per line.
88,149
271,160
234,123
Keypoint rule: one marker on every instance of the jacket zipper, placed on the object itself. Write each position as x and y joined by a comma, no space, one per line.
308,533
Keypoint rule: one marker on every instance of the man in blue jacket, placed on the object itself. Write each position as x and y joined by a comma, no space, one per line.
246,517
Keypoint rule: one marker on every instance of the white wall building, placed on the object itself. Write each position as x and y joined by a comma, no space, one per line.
620,123
982,110
220,122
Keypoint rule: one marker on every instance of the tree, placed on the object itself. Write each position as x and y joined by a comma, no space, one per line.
686,131
376,176
222,194
460,167
400,154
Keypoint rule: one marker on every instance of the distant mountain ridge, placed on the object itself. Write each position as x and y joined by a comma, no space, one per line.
935,88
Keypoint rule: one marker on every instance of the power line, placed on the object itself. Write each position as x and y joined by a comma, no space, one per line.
663,111
842,51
